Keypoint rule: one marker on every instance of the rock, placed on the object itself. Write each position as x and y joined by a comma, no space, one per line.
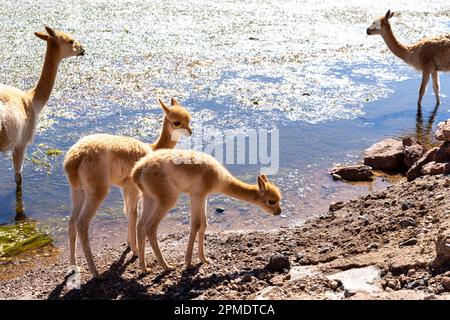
278,263
407,222
445,281
352,173
349,293
335,206
411,272
219,210
443,153
359,279
413,151
434,168
443,131
277,280
409,242
385,155
407,205
442,259
416,170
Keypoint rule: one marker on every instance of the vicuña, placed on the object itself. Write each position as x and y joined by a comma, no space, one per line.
98,161
429,55
19,110
164,174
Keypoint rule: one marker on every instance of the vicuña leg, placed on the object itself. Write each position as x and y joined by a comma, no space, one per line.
201,234
131,196
423,86
18,156
160,209
77,204
196,207
435,77
147,208
94,197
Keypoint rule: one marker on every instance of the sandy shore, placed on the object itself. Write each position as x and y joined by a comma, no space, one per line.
374,247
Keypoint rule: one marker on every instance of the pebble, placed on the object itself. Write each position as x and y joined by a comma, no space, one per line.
335,206
409,242
407,205
445,281
278,263
407,222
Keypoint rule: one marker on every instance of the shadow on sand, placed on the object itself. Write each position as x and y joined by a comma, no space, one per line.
113,286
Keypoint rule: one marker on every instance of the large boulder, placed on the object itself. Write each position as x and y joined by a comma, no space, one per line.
443,131
413,151
385,155
416,170
352,173
434,168
443,153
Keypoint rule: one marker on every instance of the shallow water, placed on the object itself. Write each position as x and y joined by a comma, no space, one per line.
304,67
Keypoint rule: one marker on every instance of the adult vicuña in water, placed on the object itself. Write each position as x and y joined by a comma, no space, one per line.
19,110
429,55
164,174
98,161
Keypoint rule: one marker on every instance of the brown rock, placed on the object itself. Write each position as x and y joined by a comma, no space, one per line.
335,206
385,155
442,261
443,131
353,173
445,281
413,151
416,170
434,168
443,153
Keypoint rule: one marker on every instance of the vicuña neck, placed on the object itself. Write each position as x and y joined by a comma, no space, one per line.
165,139
396,47
240,190
41,93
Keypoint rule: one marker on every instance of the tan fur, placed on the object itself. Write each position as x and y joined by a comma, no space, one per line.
19,110
429,55
164,174
97,162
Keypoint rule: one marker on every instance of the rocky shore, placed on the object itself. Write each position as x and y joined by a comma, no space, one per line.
393,244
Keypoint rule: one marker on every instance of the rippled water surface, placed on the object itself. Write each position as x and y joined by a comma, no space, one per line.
304,67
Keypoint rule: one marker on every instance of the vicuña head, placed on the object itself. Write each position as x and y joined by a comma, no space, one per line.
178,118
67,46
269,196
380,24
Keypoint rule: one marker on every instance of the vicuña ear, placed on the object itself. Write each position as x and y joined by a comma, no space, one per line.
262,184
165,108
387,16
392,14
51,32
42,36
174,102
263,176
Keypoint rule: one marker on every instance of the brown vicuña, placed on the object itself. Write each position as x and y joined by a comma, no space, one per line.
19,110
429,55
164,174
98,161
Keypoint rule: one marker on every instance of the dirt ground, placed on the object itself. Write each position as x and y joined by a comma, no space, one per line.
374,247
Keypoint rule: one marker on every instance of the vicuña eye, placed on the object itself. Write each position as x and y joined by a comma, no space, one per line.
271,202
71,42
177,123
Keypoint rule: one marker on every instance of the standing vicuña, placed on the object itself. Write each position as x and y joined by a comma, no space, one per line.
98,161
19,110
429,55
164,174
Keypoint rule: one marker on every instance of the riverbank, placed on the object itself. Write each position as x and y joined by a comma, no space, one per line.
379,246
